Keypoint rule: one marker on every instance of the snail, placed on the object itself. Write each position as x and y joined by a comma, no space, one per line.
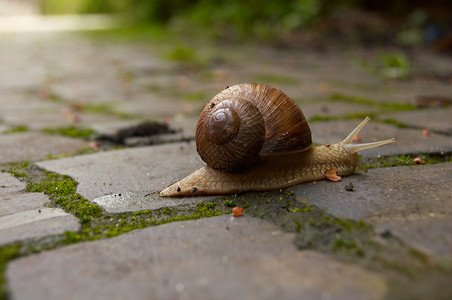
255,138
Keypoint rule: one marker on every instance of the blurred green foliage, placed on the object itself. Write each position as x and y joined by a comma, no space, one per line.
264,18
407,19
387,65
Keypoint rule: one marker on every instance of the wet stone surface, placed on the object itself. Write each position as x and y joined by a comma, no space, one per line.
411,202
209,258
130,179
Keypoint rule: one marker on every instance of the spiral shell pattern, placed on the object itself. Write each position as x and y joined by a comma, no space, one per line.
246,121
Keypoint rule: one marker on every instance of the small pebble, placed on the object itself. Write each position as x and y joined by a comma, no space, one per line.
349,187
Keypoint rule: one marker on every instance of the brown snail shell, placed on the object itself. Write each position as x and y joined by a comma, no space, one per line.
247,121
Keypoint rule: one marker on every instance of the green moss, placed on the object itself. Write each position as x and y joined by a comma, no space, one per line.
229,203
393,122
18,170
347,240
387,65
194,96
181,54
105,109
384,106
7,253
61,189
16,129
54,185
351,241
135,33
71,131
418,255
272,78
341,243
97,224
374,111
350,225
404,160
306,208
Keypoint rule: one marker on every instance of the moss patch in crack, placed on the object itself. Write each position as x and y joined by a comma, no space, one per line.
46,93
271,78
352,116
194,96
71,131
16,129
386,106
378,108
353,242
409,272
107,110
95,223
7,253
404,160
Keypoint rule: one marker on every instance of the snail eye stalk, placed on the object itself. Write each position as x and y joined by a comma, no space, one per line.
352,148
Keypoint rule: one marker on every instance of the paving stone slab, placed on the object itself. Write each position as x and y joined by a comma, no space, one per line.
13,199
34,146
430,233
20,202
36,223
25,215
155,106
328,109
410,140
434,119
10,184
127,180
413,202
215,258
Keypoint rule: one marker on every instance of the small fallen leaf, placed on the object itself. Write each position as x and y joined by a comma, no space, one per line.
94,145
70,115
44,94
425,132
418,160
237,211
79,105
331,174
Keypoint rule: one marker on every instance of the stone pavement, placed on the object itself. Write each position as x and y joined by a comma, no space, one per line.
389,237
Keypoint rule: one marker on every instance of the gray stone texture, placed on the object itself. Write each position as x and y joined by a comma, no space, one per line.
215,258
130,179
35,224
25,215
55,80
438,119
412,202
34,146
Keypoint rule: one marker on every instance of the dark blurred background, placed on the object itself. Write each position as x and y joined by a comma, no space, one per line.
284,23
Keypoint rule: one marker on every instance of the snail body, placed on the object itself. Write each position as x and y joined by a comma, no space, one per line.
284,155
